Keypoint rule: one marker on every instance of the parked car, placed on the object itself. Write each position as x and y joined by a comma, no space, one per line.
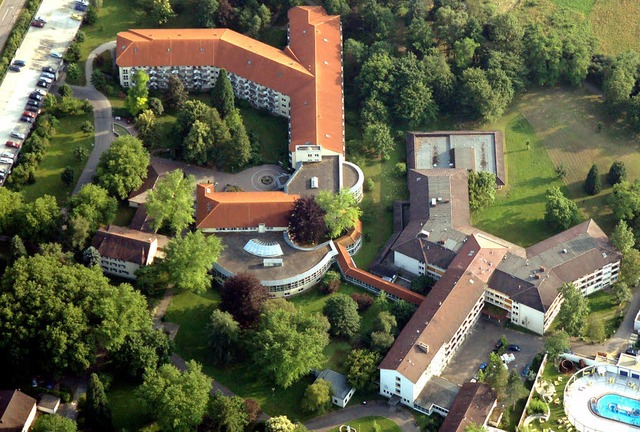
45,79
631,350
35,96
32,109
19,63
42,19
18,135
526,369
26,119
76,17
33,103
41,92
42,84
48,75
48,69
56,54
483,366
7,155
29,114
81,7
14,68
514,347
36,23
13,144
6,161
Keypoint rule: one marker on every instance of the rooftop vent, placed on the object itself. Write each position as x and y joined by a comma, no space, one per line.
604,255
314,182
564,251
542,268
423,347
272,262
208,190
537,276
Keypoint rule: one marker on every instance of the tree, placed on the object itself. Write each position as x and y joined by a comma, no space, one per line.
243,296
73,72
464,51
625,201
11,204
96,411
91,16
94,204
556,343
330,282
39,219
55,422
595,329
474,428
630,267
574,310
617,173
253,409
123,167
178,401
621,292
622,237
279,424
198,145
496,375
77,233
482,189
147,127
224,337
515,389
362,368
65,90
137,99
620,78
306,221
561,170
91,257
561,213
64,312
419,35
341,211
155,105
222,95
176,95
143,351
87,127
234,153
342,313
161,11
229,413
381,341
317,397
593,183
484,94
377,136
170,203
288,343
80,153
189,259
206,13
403,311
16,248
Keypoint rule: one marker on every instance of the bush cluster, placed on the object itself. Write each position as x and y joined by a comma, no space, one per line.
33,151
364,301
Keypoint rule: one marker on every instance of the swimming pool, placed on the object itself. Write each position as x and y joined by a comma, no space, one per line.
618,408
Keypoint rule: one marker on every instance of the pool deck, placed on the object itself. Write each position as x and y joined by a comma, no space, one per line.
584,389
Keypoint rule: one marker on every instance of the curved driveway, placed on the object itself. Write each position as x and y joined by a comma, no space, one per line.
399,416
102,117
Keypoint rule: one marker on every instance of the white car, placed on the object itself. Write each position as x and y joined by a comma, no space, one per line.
6,160
8,155
56,54
45,79
18,135
41,91
47,75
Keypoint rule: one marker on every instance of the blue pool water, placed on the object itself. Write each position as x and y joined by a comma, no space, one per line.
618,408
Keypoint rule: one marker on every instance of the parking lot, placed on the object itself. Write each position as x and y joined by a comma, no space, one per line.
479,344
36,49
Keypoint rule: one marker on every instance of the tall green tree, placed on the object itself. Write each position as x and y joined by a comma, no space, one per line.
54,314
39,219
289,343
206,13
176,95
224,337
177,400
123,167
10,207
137,98
147,126
342,313
228,413
142,352
55,422
561,213
496,375
617,173
574,310
621,292
556,343
515,389
170,203
94,204
222,95
189,259
377,136
341,211
593,183
630,267
160,11
96,410
362,368
317,397
16,248
482,189
198,144
622,237
279,424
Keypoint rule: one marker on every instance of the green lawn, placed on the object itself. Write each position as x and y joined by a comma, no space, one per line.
272,132
605,308
128,412
368,424
58,156
550,374
518,212
124,214
583,6
120,130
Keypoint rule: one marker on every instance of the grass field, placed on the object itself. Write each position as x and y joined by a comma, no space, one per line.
616,23
583,6
272,132
606,308
373,424
128,412
58,156
192,312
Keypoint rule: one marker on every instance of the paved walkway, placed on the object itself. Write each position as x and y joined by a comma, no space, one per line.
399,416
102,116
618,342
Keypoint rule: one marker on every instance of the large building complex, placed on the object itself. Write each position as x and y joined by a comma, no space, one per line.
302,82
474,268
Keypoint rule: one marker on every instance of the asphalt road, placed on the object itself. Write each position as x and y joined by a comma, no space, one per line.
9,11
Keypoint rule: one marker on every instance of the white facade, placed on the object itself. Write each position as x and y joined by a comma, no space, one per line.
343,402
126,269
636,323
32,416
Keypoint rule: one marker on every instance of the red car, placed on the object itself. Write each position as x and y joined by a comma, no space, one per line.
29,114
13,144
36,23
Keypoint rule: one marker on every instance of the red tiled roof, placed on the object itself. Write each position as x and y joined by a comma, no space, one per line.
242,209
349,269
308,70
